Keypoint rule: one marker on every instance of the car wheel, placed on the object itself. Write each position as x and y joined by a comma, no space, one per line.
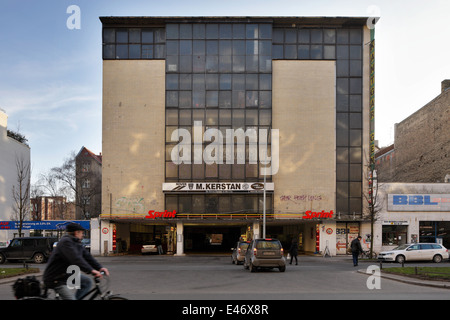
400,259
38,258
252,267
282,269
2,259
437,258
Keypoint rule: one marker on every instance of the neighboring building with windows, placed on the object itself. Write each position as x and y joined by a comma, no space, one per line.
177,89
11,150
88,183
412,212
51,208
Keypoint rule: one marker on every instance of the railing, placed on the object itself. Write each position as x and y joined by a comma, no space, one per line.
217,216
223,216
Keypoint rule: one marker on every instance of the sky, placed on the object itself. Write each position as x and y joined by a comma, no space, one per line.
51,75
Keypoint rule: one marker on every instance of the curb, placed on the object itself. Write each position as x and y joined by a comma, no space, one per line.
410,280
13,279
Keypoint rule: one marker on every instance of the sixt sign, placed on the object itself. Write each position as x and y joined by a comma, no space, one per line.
419,202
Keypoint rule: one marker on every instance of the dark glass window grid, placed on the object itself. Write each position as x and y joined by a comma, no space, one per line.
218,203
219,74
134,43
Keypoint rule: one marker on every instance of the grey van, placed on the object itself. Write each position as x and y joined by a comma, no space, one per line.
37,249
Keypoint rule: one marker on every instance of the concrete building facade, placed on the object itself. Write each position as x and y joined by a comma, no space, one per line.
11,150
178,92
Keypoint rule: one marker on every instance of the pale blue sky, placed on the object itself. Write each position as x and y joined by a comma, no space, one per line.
51,76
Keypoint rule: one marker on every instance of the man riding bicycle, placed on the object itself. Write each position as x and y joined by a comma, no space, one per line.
71,252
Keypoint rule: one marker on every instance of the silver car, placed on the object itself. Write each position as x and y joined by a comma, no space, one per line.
414,252
265,253
238,255
149,247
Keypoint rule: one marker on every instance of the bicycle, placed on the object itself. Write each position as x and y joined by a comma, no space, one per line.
366,255
95,292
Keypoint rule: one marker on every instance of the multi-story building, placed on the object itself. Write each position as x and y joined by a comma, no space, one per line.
51,208
421,150
88,168
220,128
14,158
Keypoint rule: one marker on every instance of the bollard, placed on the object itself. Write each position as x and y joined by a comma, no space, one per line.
381,264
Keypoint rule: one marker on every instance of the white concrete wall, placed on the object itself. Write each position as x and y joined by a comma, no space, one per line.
101,231
10,149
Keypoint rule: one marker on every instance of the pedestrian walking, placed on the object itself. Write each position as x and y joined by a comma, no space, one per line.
356,249
293,251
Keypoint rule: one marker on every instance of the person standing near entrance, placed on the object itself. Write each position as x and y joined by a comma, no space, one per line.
356,249
293,251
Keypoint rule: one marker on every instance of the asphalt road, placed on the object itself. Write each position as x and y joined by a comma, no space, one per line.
215,278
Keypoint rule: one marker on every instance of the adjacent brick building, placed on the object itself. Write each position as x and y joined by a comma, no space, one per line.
421,151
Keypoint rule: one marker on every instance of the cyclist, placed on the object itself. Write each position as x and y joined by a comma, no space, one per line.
70,252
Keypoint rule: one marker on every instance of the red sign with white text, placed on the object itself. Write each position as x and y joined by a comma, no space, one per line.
322,214
152,214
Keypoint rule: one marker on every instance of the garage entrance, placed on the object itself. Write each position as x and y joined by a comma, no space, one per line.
220,239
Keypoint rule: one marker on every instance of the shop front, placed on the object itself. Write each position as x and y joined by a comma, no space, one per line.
118,235
44,228
411,213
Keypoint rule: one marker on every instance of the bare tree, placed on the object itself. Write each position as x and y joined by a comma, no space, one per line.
50,185
373,201
21,192
81,185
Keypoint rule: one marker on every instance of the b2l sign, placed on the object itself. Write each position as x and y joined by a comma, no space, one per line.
419,202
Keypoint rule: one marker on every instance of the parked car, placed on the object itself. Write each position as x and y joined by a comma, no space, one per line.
86,243
37,249
149,247
238,255
414,252
265,253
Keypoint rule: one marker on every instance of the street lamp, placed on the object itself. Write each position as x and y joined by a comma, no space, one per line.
264,207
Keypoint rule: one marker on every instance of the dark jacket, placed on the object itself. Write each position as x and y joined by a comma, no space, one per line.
293,250
356,246
69,251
